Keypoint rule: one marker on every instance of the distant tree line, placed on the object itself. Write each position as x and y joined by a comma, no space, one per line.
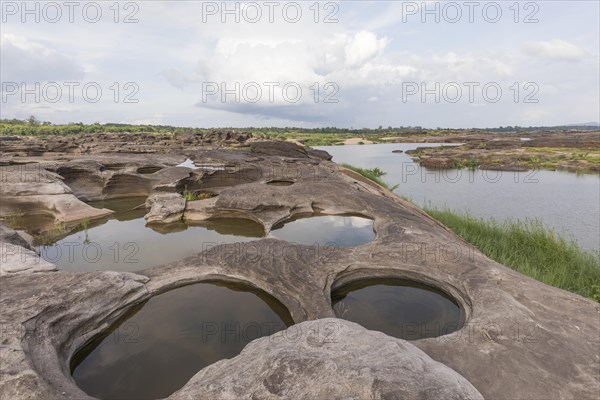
34,127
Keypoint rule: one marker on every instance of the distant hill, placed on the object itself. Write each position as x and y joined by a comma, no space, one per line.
588,126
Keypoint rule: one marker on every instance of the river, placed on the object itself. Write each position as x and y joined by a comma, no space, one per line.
566,202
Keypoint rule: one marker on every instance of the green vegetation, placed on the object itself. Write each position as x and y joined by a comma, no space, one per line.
554,155
85,223
466,163
191,196
32,127
373,174
531,249
12,219
48,237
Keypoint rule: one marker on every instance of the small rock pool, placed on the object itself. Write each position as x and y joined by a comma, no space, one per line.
399,308
155,348
125,243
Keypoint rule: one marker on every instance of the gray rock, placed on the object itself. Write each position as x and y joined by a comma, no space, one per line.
328,359
287,149
11,236
165,208
31,189
521,339
15,259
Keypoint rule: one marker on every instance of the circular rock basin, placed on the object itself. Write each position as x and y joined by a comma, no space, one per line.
325,230
158,346
276,182
399,308
126,243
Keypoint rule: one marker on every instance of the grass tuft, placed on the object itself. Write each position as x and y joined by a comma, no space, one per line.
373,174
531,249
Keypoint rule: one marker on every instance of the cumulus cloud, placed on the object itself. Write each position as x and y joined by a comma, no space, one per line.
342,61
556,49
362,47
23,60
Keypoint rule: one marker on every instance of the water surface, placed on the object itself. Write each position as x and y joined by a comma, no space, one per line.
157,347
398,308
126,243
325,230
567,202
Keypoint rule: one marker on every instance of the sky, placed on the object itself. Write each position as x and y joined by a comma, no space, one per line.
350,64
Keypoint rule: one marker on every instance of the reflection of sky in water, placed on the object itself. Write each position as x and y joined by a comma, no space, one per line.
157,350
562,200
400,311
190,164
131,246
343,231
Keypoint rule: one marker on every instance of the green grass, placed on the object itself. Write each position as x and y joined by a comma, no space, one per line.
471,164
531,249
373,174
191,196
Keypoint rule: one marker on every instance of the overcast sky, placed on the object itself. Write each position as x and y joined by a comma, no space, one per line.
347,64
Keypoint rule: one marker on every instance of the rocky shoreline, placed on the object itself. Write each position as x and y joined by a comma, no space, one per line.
567,151
521,338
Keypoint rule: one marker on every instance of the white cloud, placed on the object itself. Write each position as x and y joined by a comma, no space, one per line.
362,47
23,60
556,49
171,51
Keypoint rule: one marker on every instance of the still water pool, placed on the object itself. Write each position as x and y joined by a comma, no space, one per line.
125,243
155,348
398,308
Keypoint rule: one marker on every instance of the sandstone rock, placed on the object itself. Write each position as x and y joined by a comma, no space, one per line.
15,259
521,339
32,189
10,236
328,359
287,149
165,208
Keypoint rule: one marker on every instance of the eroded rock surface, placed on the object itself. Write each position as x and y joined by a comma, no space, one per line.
32,189
328,359
521,339
287,149
17,256
165,208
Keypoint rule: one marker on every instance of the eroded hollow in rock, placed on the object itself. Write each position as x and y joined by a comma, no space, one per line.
124,242
397,307
326,230
158,346
276,182
148,170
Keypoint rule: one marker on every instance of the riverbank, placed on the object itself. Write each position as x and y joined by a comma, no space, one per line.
574,152
529,248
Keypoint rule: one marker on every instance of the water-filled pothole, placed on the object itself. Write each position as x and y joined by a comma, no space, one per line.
148,169
337,230
398,308
157,347
276,182
126,243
